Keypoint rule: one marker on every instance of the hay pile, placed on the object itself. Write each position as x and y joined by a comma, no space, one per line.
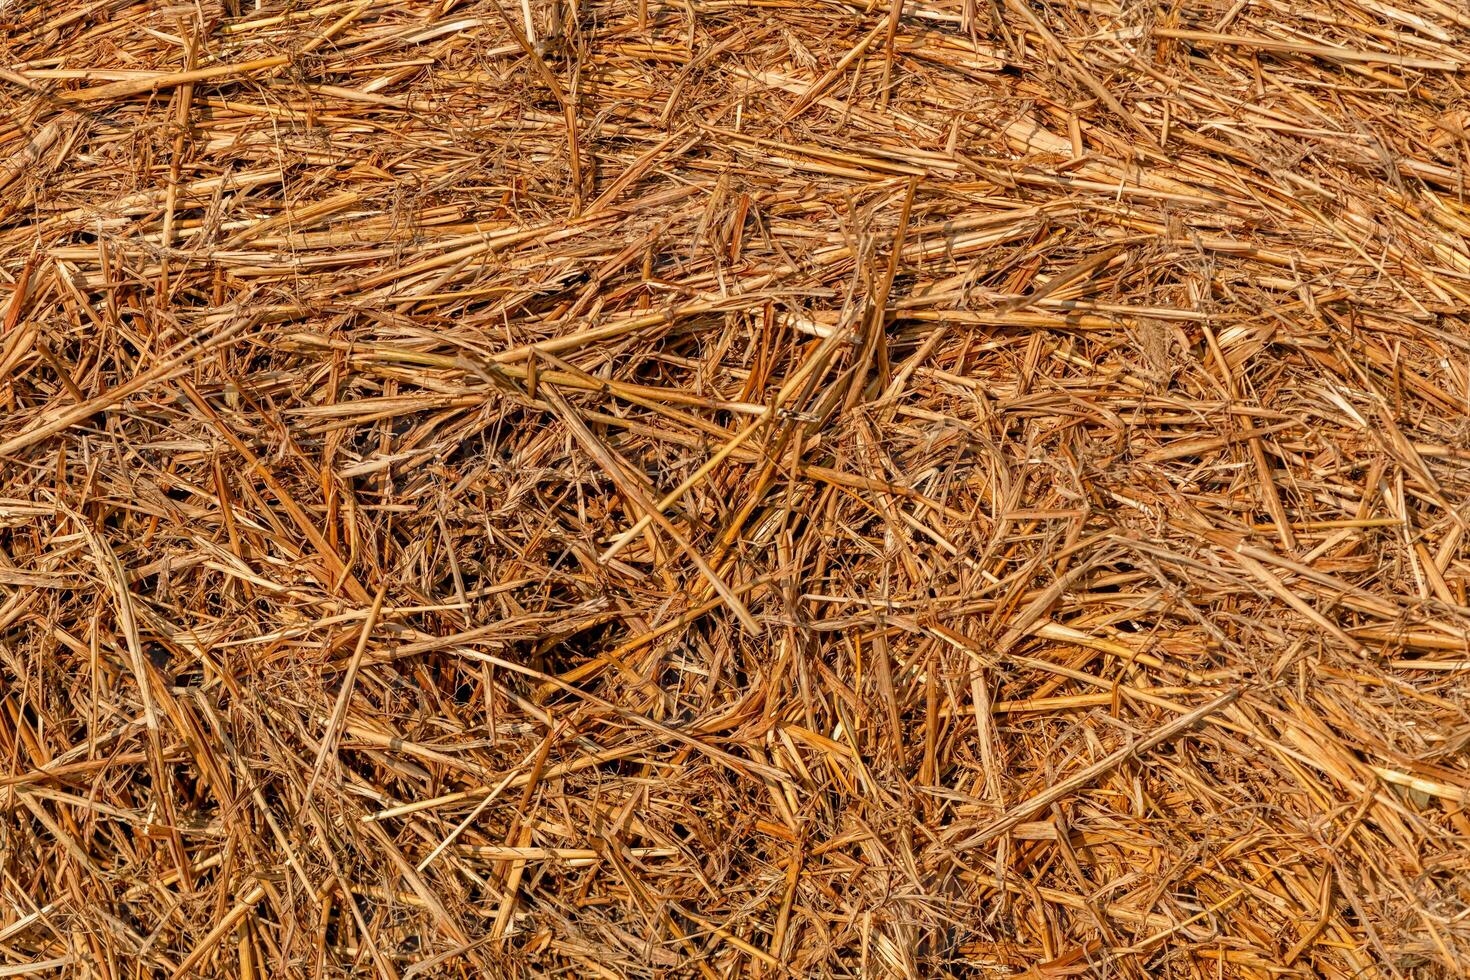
735,488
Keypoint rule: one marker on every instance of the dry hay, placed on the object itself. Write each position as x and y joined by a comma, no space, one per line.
719,489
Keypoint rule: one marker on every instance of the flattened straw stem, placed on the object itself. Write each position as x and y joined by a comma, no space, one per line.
1027,809
344,696
167,80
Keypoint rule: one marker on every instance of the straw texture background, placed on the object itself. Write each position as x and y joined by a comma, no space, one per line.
735,488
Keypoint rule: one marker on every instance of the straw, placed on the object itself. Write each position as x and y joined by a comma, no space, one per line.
924,488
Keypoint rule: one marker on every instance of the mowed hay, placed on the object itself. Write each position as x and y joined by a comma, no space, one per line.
735,489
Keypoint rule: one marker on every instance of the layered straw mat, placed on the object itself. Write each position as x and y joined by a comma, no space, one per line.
735,488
